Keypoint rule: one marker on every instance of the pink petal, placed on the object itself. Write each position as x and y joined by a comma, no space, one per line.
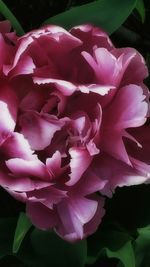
48,196
105,66
129,109
8,110
84,208
96,88
16,146
116,173
21,167
80,161
53,164
92,36
65,87
35,127
69,226
41,216
90,183
136,70
25,66
55,104
20,184
93,224
34,99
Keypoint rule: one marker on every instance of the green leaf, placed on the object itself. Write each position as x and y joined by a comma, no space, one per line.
50,250
141,9
125,254
4,10
112,243
7,230
108,14
142,247
23,226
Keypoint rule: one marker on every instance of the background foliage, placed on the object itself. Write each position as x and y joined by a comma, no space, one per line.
123,239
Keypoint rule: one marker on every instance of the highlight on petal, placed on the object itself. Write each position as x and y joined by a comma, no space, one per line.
80,161
79,217
92,36
27,168
8,111
65,87
129,109
16,146
36,126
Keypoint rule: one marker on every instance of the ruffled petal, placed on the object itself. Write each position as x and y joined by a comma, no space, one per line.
80,161
16,146
39,129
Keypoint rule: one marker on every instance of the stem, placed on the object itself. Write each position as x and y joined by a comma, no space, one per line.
4,10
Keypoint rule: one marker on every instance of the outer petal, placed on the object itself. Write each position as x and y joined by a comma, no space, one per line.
91,36
136,71
41,216
92,225
74,215
127,110
116,173
32,42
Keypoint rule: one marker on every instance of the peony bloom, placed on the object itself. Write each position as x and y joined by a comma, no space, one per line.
73,112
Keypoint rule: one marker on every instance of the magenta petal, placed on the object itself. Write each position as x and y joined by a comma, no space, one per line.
80,161
84,208
129,109
78,216
20,184
93,224
96,88
116,173
136,70
65,87
53,164
41,216
92,36
25,66
37,127
69,227
48,196
21,167
16,146
8,110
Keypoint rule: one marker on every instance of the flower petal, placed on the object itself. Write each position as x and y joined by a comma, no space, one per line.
80,161
35,127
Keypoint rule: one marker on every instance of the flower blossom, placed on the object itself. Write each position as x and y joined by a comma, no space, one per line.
72,125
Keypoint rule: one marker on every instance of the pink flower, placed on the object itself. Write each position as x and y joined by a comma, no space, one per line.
73,112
